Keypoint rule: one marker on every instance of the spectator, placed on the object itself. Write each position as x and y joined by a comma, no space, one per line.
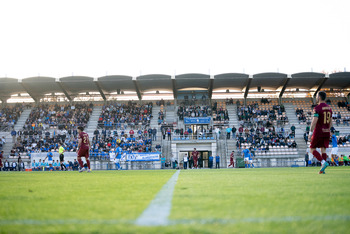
1,158
75,165
154,134
210,163
217,161
14,166
6,165
228,132
307,159
173,162
234,129
21,166
13,134
162,159
185,161
169,133
292,128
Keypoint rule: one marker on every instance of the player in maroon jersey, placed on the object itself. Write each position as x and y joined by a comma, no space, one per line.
195,154
83,149
320,130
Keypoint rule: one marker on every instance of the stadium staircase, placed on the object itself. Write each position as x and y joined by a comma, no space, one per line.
93,121
21,121
19,126
154,124
170,119
299,129
231,143
170,114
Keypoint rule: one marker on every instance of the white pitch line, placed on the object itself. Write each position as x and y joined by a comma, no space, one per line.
158,211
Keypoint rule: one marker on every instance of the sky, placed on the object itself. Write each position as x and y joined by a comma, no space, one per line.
138,37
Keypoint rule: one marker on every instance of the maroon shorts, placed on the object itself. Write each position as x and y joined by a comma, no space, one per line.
83,152
319,142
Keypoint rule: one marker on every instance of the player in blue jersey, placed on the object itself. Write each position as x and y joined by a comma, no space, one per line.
43,165
49,156
33,165
334,151
119,152
246,155
251,160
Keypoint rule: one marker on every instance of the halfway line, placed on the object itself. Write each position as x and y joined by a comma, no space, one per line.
158,211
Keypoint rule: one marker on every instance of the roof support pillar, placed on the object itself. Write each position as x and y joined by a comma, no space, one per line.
137,88
247,89
60,85
210,89
100,89
4,99
283,89
173,82
28,91
324,79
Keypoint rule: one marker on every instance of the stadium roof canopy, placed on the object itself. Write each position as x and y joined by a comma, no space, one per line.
72,86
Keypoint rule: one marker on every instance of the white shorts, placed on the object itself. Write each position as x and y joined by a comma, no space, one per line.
50,162
334,150
248,159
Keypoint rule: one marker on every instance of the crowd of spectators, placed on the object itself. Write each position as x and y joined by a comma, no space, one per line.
139,141
193,111
337,118
68,116
252,115
121,116
29,141
263,128
344,104
188,132
220,114
9,116
261,138
303,116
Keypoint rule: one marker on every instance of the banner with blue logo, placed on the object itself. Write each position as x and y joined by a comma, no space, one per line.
197,120
141,156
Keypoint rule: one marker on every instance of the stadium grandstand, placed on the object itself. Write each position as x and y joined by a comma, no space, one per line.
170,115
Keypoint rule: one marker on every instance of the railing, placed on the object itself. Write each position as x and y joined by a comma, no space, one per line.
194,137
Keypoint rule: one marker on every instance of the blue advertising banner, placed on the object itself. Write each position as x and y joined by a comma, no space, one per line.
141,156
197,120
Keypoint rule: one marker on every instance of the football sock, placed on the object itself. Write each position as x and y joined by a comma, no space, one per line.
88,163
317,155
80,163
324,156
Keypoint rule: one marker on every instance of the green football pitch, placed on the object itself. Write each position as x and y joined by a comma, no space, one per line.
269,200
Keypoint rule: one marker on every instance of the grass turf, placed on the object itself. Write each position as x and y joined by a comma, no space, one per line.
205,201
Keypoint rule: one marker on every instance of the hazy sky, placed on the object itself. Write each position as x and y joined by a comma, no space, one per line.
95,38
